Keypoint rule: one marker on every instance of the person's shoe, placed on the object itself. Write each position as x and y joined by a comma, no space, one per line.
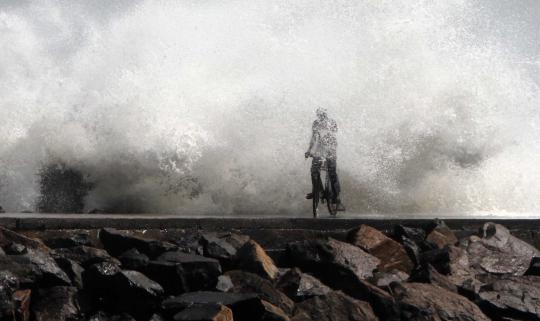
309,196
339,206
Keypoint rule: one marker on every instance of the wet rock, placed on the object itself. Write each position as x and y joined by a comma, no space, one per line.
69,241
332,258
73,270
85,255
136,294
516,297
245,282
7,237
534,268
224,283
334,306
134,260
301,286
8,285
416,235
116,242
237,302
57,303
104,316
15,249
99,277
51,273
420,301
217,248
499,252
442,236
191,272
207,312
22,300
430,275
391,254
270,312
252,257
383,279
28,274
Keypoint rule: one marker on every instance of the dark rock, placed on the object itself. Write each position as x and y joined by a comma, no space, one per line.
190,272
134,293
252,257
420,301
134,260
8,285
104,316
516,297
301,286
116,242
391,254
237,302
69,241
156,317
335,306
499,252
245,282
207,312
383,279
416,235
56,303
73,270
217,248
332,258
268,312
7,237
534,268
85,255
15,249
51,273
99,277
28,274
224,283
22,300
429,274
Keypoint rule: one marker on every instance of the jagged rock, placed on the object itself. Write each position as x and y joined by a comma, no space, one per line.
334,306
245,282
156,317
100,276
73,270
85,255
270,312
534,268
430,275
7,237
15,249
22,300
134,293
134,260
8,285
57,303
383,279
332,258
217,248
207,312
420,301
190,272
224,283
300,286
516,297
442,236
499,252
51,274
116,242
239,303
69,241
416,235
26,272
391,254
252,257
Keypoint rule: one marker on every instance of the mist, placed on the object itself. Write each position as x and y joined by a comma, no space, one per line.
205,107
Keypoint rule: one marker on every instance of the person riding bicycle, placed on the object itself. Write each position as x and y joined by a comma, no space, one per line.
323,146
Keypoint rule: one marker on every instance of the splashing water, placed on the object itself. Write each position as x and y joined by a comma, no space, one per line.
206,107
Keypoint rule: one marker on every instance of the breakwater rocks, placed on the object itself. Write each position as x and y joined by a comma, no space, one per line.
409,273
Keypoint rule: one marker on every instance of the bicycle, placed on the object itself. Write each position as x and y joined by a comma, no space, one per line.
324,193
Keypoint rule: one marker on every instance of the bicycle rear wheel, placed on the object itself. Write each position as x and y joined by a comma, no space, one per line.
329,195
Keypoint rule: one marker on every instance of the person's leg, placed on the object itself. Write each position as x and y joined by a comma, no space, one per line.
334,180
315,175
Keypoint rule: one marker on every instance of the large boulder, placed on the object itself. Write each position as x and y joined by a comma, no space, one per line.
69,240
84,255
301,286
57,303
420,301
335,306
332,260
39,266
499,252
391,253
252,257
117,242
514,297
73,270
207,312
134,260
245,282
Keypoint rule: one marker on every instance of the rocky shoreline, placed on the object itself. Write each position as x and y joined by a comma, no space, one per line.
408,273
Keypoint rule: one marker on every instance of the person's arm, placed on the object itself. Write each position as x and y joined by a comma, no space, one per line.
312,141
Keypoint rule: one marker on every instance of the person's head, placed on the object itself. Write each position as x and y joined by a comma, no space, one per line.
322,113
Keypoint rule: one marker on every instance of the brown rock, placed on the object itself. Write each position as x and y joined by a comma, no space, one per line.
7,237
421,301
335,306
208,312
21,299
300,286
391,253
442,236
253,258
